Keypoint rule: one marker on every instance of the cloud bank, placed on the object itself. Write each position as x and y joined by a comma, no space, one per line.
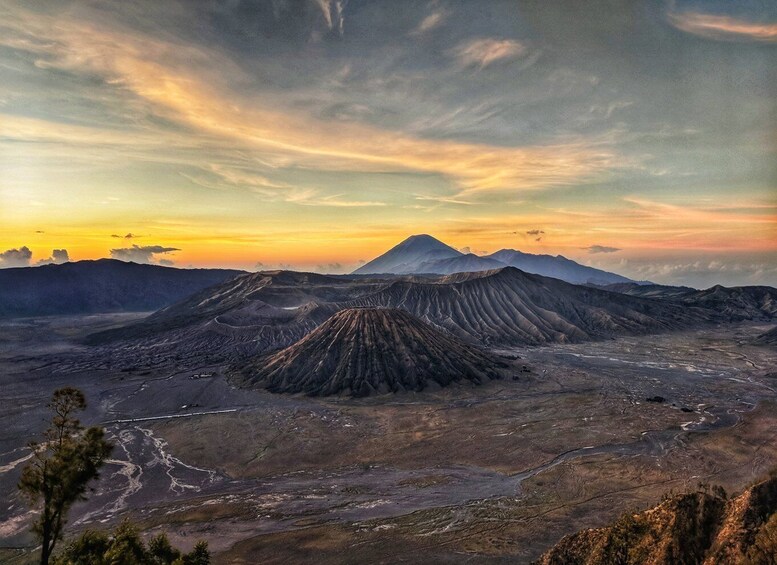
58,256
143,254
706,273
15,257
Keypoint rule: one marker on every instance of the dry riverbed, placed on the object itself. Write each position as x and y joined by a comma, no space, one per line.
583,433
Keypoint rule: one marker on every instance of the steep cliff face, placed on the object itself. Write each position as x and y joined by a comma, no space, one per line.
695,528
362,351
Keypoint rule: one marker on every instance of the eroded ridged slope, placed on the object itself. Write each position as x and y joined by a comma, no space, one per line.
508,307
362,351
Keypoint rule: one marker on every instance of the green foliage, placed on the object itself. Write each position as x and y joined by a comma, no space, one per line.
62,467
79,551
161,551
198,556
125,547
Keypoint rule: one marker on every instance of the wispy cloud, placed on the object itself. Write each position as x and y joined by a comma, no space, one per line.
444,200
641,227
724,28
227,177
711,215
312,198
223,177
430,22
485,51
593,249
334,13
154,71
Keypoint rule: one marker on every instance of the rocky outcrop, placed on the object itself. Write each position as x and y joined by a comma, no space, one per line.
702,527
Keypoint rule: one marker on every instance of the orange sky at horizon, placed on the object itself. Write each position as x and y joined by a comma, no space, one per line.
317,146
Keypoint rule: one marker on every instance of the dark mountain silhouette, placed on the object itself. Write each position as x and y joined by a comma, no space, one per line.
701,527
557,267
425,254
105,285
363,351
407,256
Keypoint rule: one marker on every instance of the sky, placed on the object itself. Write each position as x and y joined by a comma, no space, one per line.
638,137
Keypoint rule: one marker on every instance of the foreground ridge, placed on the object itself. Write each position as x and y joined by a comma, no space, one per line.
696,527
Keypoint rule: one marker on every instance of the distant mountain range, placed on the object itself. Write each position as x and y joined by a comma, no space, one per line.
734,303
105,285
258,313
282,306
424,254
